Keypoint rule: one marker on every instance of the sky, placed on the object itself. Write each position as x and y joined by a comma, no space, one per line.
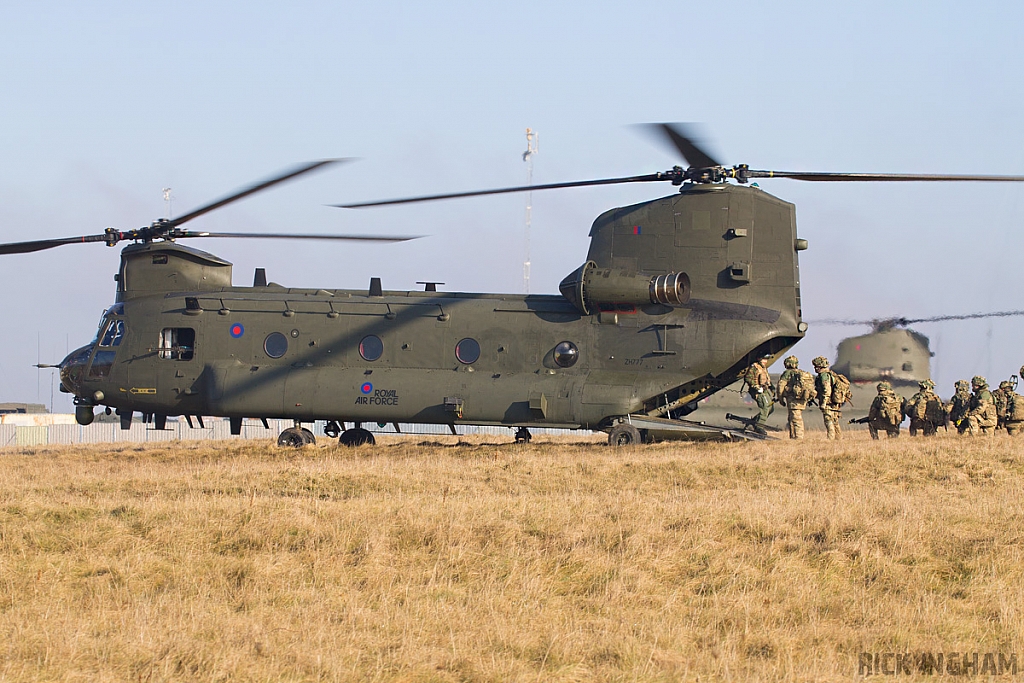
103,105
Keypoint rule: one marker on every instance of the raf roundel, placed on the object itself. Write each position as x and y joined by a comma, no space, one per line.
237,330
366,388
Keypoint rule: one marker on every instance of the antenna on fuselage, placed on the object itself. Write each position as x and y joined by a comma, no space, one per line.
167,199
531,148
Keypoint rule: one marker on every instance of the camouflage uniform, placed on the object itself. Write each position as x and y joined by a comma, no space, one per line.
981,417
831,414
886,412
1014,401
959,405
759,385
926,410
1001,397
790,395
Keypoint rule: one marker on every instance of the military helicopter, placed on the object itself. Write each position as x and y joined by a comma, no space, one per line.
892,351
676,297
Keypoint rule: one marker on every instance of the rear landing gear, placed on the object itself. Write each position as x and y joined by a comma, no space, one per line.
296,437
523,435
624,434
357,437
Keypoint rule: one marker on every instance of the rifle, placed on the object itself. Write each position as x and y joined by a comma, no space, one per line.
750,422
860,420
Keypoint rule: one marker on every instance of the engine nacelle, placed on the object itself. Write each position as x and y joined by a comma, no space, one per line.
588,286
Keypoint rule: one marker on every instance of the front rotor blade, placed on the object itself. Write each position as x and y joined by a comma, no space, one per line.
506,190
287,236
682,138
40,245
270,182
883,177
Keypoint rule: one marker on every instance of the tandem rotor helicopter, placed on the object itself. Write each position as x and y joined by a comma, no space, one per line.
676,297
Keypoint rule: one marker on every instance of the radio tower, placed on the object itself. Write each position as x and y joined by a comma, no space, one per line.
531,149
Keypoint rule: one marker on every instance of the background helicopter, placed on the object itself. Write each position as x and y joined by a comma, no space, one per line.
893,352
676,297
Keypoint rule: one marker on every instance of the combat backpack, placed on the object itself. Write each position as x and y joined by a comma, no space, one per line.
1015,408
841,391
803,386
920,408
892,409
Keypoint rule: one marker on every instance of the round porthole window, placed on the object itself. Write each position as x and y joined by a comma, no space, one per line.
371,348
468,350
276,344
566,354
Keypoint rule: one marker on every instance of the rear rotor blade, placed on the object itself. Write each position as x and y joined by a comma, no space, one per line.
882,177
682,139
270,182
506,190
287,236
903,322
40,245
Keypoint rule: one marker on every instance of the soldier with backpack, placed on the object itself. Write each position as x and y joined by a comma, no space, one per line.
759,385
981,417
796,388
1001,398
833,391
886,412
926,410
959,405
1014,412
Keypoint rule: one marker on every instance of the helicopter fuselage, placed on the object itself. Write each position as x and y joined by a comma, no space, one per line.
677,297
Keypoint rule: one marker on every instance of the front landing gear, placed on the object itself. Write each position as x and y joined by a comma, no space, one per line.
523,435
296,437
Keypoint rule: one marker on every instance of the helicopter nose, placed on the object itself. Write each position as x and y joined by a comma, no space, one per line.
72,370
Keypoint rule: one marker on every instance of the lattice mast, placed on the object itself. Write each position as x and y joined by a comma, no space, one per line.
531,149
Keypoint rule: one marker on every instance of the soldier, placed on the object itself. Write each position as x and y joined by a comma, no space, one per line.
1001,397
759,385
925,409
959,405
886,412
1014,412
796,388
831,410
981,417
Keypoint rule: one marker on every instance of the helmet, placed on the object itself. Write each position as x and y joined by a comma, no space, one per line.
884,386
1006,384
979,381
926,384
962,385
791,362
820,362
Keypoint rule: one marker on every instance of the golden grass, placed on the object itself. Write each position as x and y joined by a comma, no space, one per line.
422,560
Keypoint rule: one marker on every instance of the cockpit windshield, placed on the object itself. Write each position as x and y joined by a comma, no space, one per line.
113,334
110,333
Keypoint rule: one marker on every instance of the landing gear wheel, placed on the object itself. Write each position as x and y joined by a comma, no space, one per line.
332,429
293,437
523,435
357,437
624,434
308,436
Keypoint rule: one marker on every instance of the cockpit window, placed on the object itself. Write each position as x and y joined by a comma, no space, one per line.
113,334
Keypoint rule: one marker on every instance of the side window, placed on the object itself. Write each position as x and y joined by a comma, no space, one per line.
177,343
114,333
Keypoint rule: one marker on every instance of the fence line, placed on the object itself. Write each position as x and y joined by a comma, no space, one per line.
216,428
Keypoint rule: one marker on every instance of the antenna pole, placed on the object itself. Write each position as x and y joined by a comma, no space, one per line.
167,199
531,149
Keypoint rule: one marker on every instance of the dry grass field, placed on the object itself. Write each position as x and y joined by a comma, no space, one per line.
433,559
